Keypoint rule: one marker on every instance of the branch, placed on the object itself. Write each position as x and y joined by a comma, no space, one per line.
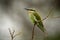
49,12
17,34
33,32
12,33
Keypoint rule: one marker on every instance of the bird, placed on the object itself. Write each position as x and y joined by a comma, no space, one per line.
35,18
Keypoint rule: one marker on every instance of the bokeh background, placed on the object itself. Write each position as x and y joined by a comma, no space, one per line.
13,15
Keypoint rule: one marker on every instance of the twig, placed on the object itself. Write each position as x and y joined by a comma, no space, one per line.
49,13
12,33
33,32
17,34
56,17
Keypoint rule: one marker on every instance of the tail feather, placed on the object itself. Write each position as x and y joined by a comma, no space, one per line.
41,26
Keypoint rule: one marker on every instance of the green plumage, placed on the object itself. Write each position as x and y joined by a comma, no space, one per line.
36,19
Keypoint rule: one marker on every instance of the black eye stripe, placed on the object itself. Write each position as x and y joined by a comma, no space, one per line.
32,10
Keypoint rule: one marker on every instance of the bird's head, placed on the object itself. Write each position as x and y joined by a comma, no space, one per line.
30,10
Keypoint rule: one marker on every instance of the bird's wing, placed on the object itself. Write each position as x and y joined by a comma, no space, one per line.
37,16
39,22
41,26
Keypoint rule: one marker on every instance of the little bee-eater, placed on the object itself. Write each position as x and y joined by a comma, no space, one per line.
35,18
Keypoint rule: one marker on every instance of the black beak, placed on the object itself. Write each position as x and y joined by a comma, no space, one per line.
26,9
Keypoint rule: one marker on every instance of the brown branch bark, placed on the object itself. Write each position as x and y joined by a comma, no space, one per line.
33,32
12,33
